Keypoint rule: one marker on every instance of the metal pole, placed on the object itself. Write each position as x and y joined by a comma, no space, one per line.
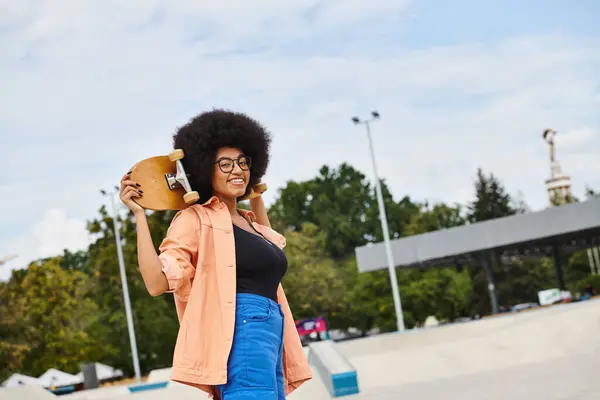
134,352
597,257
488,269
592,263
386,238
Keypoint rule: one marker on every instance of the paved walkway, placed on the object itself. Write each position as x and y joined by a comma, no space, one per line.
550,354
573,378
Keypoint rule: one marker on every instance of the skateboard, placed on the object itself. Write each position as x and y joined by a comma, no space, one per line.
166,185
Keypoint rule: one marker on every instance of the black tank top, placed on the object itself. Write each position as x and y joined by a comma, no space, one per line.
260,264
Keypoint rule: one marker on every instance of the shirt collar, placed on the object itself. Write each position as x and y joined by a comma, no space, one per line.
212,200
247,214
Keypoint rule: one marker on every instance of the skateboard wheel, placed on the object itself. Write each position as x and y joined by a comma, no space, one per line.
191,197
176,155
260,188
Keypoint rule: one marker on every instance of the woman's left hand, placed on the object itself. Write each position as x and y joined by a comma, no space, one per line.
256,191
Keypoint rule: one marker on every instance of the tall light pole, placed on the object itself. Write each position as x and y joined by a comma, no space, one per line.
384,224
128,313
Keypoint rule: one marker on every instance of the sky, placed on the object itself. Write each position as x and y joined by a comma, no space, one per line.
88,88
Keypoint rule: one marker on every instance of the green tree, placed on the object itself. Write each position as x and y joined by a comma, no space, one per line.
368,301
577,270
75,261
71,261
520,280
314,285
440,216
342,203
491,199
13,346
439,291
50,320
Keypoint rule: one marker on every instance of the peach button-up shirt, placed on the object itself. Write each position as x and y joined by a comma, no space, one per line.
198,258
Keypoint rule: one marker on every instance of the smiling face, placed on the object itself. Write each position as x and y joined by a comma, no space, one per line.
231,173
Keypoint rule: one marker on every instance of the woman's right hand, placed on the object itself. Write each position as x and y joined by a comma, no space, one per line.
129,190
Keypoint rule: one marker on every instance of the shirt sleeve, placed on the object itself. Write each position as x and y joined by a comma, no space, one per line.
282,242
179,252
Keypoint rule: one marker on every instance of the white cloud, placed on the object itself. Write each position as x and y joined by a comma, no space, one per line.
54,232
577,140
89,88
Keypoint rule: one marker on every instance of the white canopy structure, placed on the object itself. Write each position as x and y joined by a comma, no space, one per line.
55,377
104,372
20,380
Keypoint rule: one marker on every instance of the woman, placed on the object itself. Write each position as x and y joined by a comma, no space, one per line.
237,337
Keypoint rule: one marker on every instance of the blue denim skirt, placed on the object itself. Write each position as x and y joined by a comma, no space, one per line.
254,367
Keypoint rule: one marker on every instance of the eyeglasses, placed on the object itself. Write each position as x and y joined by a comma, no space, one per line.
227,164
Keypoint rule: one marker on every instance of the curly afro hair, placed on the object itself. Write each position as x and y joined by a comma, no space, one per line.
204,134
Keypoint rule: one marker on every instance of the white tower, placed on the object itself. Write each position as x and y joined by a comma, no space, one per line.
559,184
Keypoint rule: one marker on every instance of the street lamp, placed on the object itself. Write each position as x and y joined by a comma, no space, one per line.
134,352
384,224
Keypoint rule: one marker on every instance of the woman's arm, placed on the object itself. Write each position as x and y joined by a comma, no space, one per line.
148,261
150,265
257,205
172,269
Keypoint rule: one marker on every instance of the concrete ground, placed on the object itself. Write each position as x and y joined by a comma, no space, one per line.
571,378
549,354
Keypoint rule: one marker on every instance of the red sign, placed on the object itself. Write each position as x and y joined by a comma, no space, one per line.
308,326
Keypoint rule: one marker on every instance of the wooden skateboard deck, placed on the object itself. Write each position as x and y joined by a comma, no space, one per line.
151,173
165,185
